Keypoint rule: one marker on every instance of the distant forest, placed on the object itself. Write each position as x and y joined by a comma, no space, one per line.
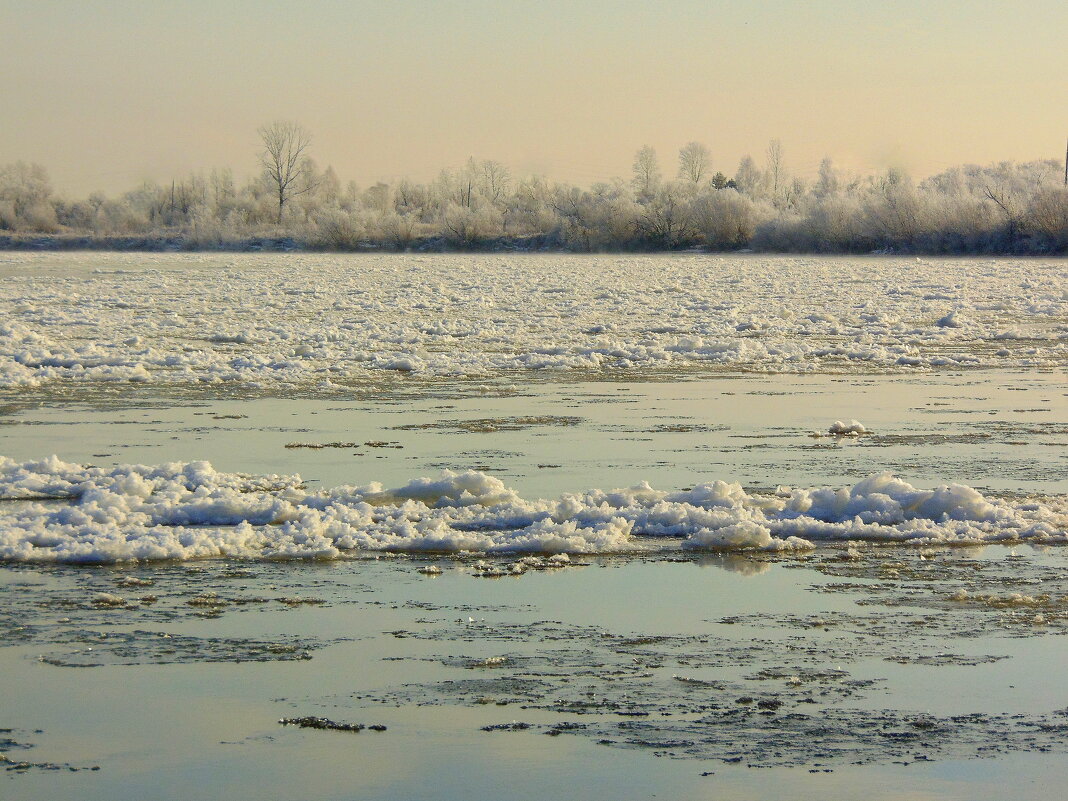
1005,208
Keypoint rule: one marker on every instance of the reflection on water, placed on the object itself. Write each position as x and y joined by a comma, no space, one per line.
734,563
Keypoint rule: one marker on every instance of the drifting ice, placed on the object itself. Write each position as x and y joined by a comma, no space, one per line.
853,428
74,513
259,323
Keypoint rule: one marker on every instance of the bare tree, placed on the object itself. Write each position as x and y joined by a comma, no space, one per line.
284,160
694,159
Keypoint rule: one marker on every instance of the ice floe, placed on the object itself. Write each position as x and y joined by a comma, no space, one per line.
54,511
854,428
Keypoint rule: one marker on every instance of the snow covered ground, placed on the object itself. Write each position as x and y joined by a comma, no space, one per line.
314,322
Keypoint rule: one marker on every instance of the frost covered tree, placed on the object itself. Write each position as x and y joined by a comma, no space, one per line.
665,220
223,192
530,211
646,171
895,210
379,198
776,171
493,181
1048,215
285,161
834,224
999,208
724,218
399,230
603,218
827,181
459,188
694,160
25,191
470,225
338,229
749,179
1003,187
793,193
329,189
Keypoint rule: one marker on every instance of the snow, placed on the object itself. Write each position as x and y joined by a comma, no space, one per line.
182,511
266,322
952,320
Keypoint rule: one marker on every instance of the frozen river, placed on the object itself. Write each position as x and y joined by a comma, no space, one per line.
478,500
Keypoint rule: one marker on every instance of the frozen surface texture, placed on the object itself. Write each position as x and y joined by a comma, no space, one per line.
267,322
59,512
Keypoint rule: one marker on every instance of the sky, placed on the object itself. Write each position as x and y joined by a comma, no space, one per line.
108,94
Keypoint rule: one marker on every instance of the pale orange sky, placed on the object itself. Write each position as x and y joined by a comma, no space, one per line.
107,94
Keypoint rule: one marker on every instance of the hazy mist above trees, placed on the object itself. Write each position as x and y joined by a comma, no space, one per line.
1001,208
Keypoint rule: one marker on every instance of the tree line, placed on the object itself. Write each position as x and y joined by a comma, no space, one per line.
1001,208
